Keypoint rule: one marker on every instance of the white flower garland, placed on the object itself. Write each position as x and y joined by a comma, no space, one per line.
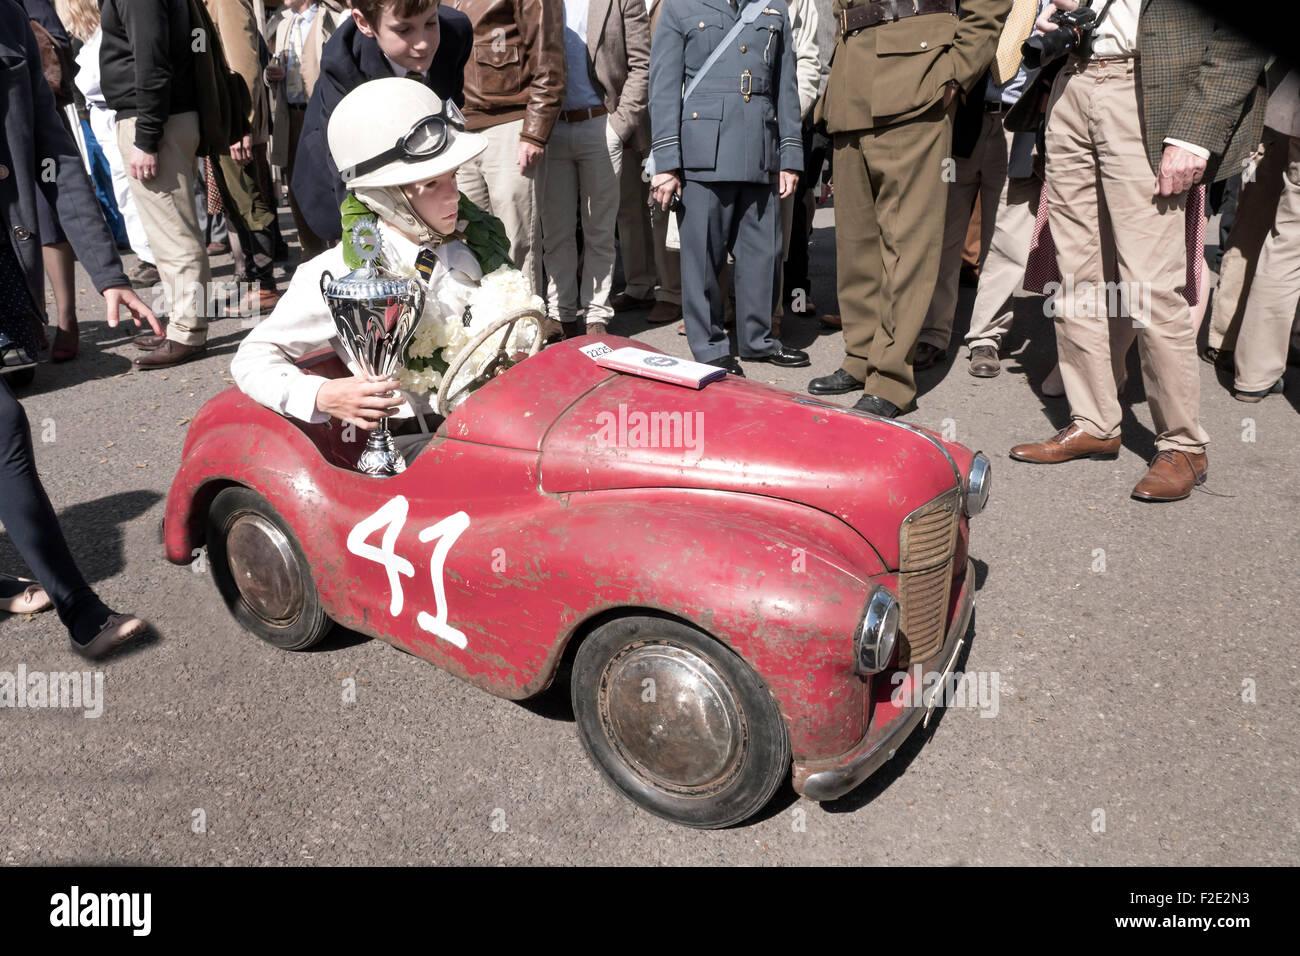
444,337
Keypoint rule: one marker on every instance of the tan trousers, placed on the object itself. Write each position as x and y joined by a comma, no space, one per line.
1003,272
980,176
166,207
668,262
1256,207
1265,334
635,238
890,200
580,180
492,181
1096,156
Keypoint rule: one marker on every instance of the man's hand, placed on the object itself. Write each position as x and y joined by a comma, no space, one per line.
664,187
242,151
789,183
1044,23
361,400
1180,170
274,73
124,295
529,155
143,166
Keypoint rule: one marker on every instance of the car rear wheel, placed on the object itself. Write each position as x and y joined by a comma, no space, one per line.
678,722
261,571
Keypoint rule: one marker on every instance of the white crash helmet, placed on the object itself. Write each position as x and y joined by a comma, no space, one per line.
392,132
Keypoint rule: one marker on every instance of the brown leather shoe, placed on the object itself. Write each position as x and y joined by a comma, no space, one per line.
259,301
984,361
1068,444
22,596
832,319
1172,476
597,328
148,341
663,312
168,354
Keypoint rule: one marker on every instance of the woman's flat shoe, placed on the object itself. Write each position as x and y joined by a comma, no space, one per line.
30,600
117,630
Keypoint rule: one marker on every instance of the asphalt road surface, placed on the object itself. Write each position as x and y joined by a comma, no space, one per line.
1144,656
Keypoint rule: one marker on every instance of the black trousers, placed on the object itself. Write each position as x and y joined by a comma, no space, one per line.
29,518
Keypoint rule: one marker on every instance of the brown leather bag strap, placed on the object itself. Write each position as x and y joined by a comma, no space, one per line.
886,11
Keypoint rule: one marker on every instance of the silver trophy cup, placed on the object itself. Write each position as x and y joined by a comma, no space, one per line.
375,315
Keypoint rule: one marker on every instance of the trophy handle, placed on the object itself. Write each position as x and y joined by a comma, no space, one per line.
417,288
325,279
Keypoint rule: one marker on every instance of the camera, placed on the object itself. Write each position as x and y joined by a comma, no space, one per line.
1073,33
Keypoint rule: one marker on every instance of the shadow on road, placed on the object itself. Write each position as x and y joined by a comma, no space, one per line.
93,532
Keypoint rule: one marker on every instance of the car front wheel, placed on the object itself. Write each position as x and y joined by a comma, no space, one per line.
261,571
678,722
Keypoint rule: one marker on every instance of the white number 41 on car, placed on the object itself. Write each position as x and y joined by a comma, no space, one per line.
392,518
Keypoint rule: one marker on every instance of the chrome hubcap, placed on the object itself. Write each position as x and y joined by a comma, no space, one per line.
265,569
673,719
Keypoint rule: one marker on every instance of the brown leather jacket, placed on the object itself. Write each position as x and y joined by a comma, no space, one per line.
517,69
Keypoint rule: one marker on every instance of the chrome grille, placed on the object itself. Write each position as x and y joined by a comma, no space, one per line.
926,544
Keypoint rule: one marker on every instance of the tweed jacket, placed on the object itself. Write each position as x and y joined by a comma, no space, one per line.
618,63
328,15
1201,82
35,142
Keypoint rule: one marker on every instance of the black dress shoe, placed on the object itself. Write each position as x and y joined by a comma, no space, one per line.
787,358
622,302
837,383
728,362
876,405
927,356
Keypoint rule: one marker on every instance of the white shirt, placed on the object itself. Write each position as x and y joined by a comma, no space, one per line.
264,366
399,70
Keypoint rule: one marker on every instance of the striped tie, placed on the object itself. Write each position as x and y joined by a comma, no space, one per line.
1014,33
424,263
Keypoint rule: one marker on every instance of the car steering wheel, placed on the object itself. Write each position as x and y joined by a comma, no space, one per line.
448,399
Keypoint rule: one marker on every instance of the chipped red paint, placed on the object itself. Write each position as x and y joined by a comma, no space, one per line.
769,536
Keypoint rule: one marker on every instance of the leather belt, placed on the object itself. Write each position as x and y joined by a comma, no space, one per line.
998,107
877,12
579,116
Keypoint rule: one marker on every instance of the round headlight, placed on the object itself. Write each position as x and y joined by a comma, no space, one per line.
977,485
875,644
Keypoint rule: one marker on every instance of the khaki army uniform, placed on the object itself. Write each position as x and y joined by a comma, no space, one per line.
891,136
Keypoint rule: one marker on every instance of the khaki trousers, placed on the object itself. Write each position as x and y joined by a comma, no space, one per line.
1096,157
492,182
580,179
166,207
635,238
1256,207
980,176
1003,272
668,262
890,200
1265,334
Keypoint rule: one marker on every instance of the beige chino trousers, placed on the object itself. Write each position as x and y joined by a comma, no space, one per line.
492,181
166,207
1095,158
1265,334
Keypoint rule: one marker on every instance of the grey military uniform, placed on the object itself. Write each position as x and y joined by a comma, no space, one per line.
729,141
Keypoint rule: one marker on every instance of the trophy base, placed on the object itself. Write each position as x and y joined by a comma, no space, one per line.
380,457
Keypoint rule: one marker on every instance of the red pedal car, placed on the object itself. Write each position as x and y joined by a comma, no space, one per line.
732,574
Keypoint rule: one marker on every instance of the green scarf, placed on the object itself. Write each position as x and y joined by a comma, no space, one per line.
484,233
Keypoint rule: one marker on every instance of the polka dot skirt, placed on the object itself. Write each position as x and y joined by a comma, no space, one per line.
17,317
